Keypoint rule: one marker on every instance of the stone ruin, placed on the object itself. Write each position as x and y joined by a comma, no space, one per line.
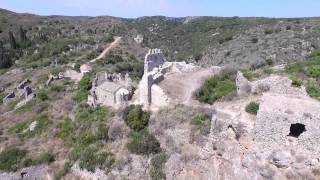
23,89
52,77
154,68
287,120
110,90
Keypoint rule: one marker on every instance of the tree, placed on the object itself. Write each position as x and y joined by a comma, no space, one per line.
23,36
12,40
5,61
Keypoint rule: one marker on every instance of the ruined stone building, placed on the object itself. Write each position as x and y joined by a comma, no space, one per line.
154,68
23,90
110,90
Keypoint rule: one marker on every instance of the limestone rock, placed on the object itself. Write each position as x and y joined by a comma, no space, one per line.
243,85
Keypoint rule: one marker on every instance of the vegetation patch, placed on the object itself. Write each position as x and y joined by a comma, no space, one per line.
215,88
25,130
143,143
157,166
86,135
250,75
252,108
135,117
84,87
91,159
11,159
313,90
296,82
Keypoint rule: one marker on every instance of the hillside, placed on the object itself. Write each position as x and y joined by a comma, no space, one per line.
159,97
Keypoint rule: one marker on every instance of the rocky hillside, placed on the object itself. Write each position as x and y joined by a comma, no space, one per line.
241,42
246,118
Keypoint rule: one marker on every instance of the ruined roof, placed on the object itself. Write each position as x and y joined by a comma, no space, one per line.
85,67
109,87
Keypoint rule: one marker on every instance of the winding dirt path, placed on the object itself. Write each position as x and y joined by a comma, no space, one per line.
107,49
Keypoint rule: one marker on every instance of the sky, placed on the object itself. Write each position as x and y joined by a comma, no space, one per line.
172,8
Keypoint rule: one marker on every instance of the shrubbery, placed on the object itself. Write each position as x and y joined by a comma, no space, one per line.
85,135
91,159
157,166
252,108
135,117
22,128
200,120
215,88
144,143
314,71
11,159
296,82
84,87
250,75
313,90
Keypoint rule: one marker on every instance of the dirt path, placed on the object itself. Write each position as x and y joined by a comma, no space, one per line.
107,49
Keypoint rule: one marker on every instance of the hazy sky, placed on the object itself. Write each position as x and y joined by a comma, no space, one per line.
136,8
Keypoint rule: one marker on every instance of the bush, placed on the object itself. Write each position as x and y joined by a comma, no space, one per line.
135,117
314,71
157,167
84,87
294,68
200,120
91,159
11,159
250,75
22,128
313,90
45,158
252,108
269,62
143,143
296,82
315,53
42,95
268,31
268,70
215,88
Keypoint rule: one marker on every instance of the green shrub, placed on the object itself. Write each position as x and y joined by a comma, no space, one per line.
11,159
157,166
91,159
143,143
215,88
250,75
252,108
315,53
268,31
269,62
313,90
296,82
84,87
45,158
22,128
42,95
314,71
199,119
268,70
56,70
135,117
294,68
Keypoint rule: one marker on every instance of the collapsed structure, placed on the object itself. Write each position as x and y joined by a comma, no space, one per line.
287,120
110,90
23,89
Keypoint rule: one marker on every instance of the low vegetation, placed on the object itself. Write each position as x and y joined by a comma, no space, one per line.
143,143
296,82
252,108
89,132
135,117
23,129
12,159
157,166
313,90
84,87
215,88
